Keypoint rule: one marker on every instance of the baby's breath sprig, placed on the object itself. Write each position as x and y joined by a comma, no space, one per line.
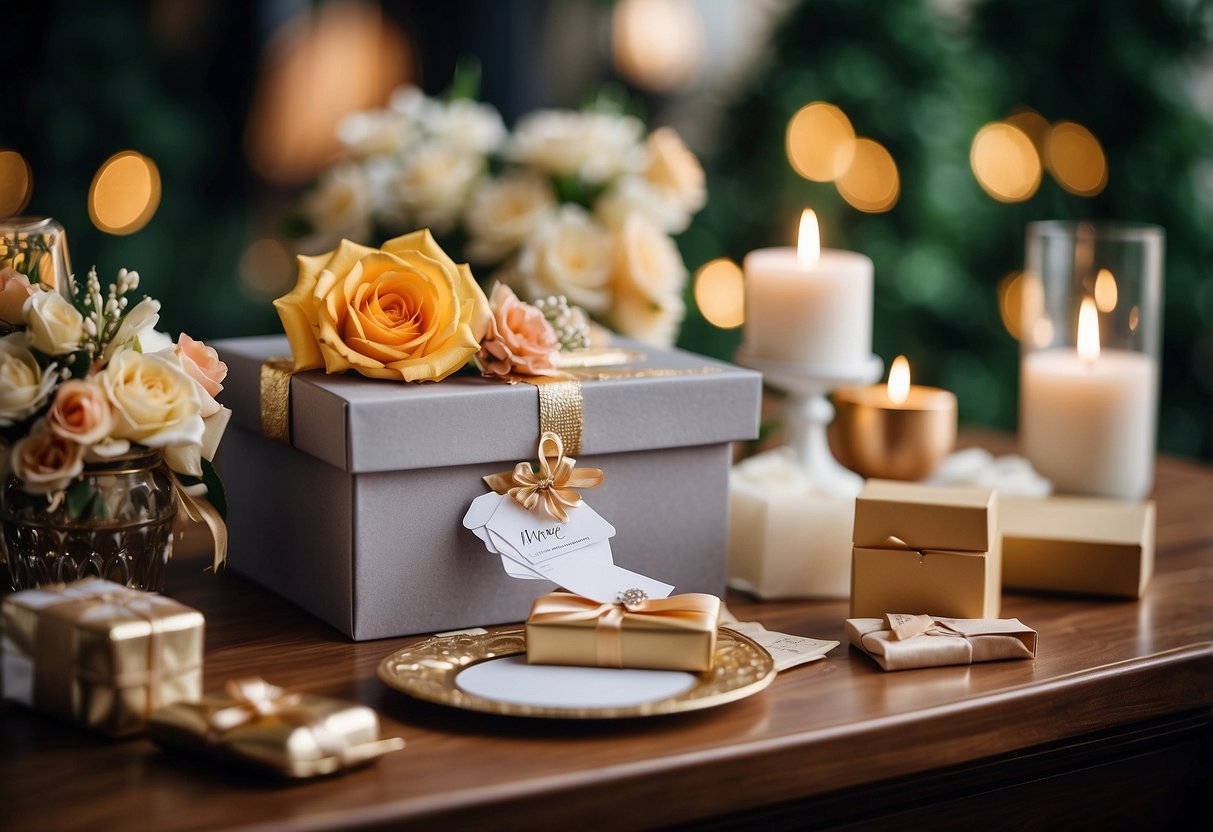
571,325
103,314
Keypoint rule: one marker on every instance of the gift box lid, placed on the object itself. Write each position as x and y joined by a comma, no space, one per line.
673,399
1078,520
925,517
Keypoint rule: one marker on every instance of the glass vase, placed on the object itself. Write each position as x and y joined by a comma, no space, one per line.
123,533
36,247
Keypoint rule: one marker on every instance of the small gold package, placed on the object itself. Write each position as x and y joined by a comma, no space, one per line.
99,654
295,735
675,633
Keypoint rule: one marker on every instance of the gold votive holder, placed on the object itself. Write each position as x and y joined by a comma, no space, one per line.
876,437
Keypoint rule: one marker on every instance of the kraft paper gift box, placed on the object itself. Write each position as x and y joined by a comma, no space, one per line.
265,727
99,654
675,633
925,549
1078,545
358,520
904,642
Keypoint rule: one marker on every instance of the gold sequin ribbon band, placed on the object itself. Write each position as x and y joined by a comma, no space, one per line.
276,398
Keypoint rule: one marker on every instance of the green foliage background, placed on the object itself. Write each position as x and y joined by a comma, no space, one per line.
922,83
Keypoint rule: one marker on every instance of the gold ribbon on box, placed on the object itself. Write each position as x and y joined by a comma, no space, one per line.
255,722
902,641
691,611
553,486
84,672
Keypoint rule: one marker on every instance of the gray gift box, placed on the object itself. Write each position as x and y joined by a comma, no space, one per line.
359,520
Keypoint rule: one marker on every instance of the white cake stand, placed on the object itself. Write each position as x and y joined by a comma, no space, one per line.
808,412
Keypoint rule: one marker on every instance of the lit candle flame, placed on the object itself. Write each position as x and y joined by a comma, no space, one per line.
808,243
899,380
1088,331
1105,291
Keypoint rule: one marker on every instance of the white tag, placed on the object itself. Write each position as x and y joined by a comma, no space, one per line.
786,650
537,537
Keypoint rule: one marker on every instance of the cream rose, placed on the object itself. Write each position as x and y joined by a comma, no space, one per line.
46,462
520,339
15,289
405,312
339,207
654,320
674,171
434,183
568,255
24,386
466,125
153,400
140,320
80,413
373,132
55,327
647,261
504,212
593,146
202,364
635,195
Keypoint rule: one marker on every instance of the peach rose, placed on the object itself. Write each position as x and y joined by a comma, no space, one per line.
405,311
202,364
80,413
15,288
520,339
674,170
46,462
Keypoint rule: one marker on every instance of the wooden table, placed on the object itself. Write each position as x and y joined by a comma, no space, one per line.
1109,727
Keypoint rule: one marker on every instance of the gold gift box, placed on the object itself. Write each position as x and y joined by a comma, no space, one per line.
260,725
99,654
1078,544
925,549
676,633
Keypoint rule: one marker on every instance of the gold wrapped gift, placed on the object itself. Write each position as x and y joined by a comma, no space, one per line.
99,654
902,642
677,633
261,725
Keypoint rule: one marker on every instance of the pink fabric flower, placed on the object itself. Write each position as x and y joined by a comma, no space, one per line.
519,340
202,364
15,288
80,413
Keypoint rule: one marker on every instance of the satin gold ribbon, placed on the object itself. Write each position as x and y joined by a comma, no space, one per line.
276,398
201,511
55,645
553,486
254,699
692,611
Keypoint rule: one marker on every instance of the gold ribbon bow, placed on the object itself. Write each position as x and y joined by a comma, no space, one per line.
691,611
553,485
254,699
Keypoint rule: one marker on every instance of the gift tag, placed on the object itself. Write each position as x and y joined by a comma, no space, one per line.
787,650
537,537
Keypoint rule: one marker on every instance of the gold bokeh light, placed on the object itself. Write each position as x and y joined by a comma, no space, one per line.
871,183
125,193
1005,162
16,183
1010,303
720,294
1076,159
820,142
658,45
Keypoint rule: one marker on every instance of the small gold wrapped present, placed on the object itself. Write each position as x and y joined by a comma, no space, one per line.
902,642
264,726
676,633
99,654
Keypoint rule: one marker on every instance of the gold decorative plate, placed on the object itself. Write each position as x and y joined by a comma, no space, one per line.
427,670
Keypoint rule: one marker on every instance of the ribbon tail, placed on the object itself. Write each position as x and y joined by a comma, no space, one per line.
201,511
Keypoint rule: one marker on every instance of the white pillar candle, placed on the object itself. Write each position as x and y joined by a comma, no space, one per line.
787,540
807,305
1087,416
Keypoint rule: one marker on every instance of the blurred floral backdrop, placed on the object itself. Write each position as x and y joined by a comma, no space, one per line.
956,123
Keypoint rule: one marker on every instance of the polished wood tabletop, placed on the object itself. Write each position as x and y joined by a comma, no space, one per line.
832,727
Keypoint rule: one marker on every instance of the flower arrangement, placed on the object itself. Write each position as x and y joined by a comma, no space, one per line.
407,311
84,376
580,203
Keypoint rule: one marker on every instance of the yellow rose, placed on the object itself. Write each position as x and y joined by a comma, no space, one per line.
405,311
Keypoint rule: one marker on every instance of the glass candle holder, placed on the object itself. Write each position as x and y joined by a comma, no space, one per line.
36,247
1090,335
